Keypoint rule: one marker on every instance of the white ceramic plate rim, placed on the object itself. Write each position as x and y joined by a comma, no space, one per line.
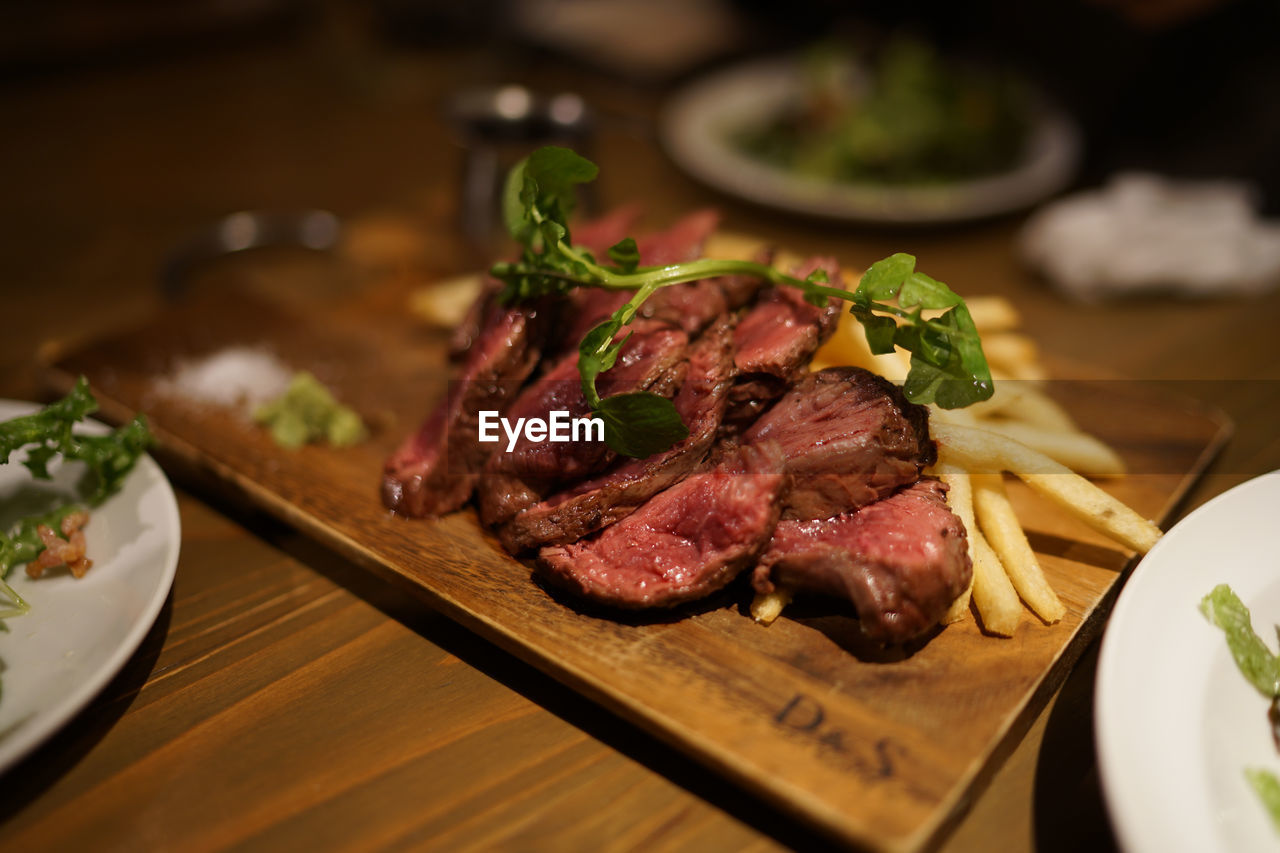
146,482
693,130
1159,657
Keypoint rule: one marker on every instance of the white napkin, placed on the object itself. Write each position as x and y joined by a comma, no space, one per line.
1144,232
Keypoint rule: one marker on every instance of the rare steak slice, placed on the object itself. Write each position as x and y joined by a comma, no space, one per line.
901,561
694,305
598,502
849,438
683,241
434,470
682,544
776,340
653,359
597,235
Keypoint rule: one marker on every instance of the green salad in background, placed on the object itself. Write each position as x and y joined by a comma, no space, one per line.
901,116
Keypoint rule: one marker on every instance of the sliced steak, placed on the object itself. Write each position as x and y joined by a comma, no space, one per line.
604,231
652,360
596,235
600,501
694,305
681,242
849,438
434,470
682,544
776,340
901,561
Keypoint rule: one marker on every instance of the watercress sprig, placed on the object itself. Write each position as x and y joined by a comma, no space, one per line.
48,433
947,363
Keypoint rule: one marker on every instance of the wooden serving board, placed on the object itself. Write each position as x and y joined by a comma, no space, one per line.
879,748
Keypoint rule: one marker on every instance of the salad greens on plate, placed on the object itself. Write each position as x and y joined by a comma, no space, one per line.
1223,608
46,435
901,115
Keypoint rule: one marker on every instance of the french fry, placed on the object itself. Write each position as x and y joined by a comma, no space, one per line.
997,601
990,314
1079,451
1022,403
848,346
993,314
984,451
964,416
1039,409
445,303
1013,355
1005,397
767,606
991,589
1002,530
730,245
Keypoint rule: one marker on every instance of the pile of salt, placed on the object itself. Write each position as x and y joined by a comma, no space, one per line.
241,377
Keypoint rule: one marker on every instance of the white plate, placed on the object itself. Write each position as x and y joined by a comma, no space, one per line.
698,121
80,633
1177,724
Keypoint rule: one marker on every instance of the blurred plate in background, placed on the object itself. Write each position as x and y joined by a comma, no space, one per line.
700,120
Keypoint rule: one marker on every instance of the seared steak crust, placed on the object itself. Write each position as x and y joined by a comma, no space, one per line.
775,341
849,437
434,470
901,560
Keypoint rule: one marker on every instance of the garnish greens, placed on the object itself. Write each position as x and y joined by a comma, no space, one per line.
1222,607
947,363
108,459
1267,787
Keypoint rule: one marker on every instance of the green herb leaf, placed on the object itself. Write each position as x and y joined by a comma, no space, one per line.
1267,787
109,458
640,424
542,186
11,604
1222,607
626,255
926,292
597,353
884,278
880,332
52,424
949,368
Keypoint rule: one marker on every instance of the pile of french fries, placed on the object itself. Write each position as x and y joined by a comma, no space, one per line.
1022,431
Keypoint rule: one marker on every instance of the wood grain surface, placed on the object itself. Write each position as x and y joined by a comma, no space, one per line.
287,686
876,747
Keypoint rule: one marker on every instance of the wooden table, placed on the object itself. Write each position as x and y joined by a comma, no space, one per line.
285,698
